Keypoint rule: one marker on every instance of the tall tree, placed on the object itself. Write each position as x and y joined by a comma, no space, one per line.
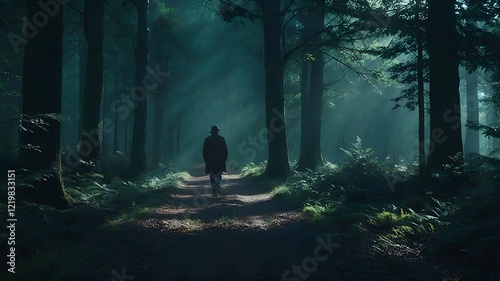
408,28
312,84
274,64
159,35
445,123
90,143
137,162
420,87
471,144
40,128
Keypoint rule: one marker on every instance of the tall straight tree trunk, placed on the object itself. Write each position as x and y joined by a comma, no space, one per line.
159,107
40,128
277,163
317,86
316,92
445,123
312,100
472,136
420,89
82,71
137,162
94,34
115,117
305,145
104,112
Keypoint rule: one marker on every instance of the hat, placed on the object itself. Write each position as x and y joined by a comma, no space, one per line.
214,129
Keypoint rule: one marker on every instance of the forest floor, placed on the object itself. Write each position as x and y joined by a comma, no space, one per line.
247,233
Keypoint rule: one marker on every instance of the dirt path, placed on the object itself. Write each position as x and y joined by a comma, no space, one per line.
245,234
245,204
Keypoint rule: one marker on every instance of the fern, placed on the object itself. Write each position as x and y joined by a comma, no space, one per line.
357,152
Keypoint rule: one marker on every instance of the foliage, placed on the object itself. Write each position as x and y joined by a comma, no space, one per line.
487,131
51,247
254,169
403,223
319,211
329,190
363,170
88,189
225,221
357,152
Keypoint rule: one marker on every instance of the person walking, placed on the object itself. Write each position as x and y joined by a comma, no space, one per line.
215,156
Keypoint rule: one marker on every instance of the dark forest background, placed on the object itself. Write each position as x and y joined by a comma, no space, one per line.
308,94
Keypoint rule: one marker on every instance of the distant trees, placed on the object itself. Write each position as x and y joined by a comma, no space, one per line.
274,67
162,55
411,66
479,49
465,45
40,127
139,93
471,144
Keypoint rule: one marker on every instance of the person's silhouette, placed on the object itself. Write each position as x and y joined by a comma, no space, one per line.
215,156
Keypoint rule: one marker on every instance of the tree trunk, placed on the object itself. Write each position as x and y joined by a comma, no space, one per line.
277,163
445,123
115,117
312,102
159,116
104,134
316,90
420,89
305,157
472,136
40,128
125,134
82,71
94,34
137,162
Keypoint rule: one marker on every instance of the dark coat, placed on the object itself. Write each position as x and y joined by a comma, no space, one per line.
215,153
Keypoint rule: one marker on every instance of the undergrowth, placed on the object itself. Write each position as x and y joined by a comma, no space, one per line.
52,245
254,169
455,212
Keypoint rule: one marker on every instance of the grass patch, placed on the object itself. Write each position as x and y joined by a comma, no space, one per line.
318,211
191,224
132,215
225,221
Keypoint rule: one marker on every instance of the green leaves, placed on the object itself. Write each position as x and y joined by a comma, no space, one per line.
357,152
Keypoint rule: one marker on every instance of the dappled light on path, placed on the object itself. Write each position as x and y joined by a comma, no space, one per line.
244,204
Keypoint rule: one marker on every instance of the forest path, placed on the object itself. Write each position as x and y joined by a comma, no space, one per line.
245,234
245,203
